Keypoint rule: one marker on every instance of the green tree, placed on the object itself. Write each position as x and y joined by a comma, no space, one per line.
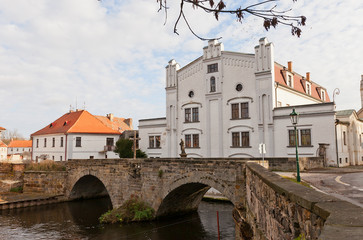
124,149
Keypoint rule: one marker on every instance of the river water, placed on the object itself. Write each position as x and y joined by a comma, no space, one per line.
79,220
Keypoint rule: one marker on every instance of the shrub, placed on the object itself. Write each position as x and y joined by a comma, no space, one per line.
132,210
17,189
46,165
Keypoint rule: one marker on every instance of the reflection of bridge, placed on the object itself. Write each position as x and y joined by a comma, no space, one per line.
169,185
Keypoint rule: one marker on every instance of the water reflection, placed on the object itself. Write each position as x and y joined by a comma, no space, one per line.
79,220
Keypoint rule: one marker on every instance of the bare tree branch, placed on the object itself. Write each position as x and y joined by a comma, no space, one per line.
271,16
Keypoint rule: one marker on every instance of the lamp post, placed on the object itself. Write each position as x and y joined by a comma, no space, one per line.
294,119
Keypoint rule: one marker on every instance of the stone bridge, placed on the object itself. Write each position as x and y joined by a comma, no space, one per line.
169,185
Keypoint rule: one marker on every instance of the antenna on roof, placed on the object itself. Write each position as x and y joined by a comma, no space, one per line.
76,104
84,105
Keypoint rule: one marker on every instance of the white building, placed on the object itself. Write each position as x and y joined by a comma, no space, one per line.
3,151
224,104
79,135
20,149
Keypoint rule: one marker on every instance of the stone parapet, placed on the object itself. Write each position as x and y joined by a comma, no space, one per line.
277,208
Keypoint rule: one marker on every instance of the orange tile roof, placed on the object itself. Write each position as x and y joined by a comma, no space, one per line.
299,83
76,122
1,129
20,144
118,124
2,144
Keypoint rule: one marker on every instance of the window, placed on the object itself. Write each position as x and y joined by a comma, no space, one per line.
109,144
195,140
235,111
305,137
212,84
188,140
78,142
191,115
191,94
91,157
239,87
53,143
154,141
45,142
151,142
344,138
187,115
192,140
323,95
61,158
157,141
292,138
37,143
289,82
195,115
53,158
212,67
61,142
245,139
235,139
240,107
244,110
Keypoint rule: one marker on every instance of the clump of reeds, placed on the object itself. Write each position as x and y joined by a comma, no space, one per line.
45,165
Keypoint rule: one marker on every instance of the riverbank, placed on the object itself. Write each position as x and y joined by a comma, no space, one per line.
11,200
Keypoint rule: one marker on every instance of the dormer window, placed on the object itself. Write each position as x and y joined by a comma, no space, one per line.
308,88
322,95
290,81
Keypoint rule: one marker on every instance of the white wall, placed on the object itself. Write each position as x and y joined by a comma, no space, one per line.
319,118
289,97
91,145
153,127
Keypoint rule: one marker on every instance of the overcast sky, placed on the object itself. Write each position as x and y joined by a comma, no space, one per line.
110,55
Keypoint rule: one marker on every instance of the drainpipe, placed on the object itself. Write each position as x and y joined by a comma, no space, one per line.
65,151
336,141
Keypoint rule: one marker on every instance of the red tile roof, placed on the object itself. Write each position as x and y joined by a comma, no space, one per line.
2,144
76,122
20,144
1,129
118,124
299,83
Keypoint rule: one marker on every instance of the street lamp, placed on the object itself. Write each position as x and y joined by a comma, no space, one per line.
294,119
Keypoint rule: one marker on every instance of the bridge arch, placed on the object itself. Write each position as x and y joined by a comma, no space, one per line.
86,184
184,193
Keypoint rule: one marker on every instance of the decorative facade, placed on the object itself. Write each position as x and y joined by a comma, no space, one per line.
225,104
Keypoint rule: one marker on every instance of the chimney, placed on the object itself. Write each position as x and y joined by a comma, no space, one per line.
308,76
110,116
289,66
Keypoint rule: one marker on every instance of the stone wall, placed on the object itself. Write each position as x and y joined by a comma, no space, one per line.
289,164
51,182
277,208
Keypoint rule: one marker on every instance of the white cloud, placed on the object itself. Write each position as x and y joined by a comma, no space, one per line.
112,54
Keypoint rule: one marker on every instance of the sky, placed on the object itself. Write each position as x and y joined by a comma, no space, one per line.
109,56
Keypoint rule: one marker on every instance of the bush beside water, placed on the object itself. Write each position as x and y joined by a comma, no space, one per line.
132,210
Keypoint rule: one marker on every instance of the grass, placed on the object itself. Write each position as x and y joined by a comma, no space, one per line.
294,180
133,210
46,165
17,189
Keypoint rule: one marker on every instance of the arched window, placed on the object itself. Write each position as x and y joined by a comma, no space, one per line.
212,84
